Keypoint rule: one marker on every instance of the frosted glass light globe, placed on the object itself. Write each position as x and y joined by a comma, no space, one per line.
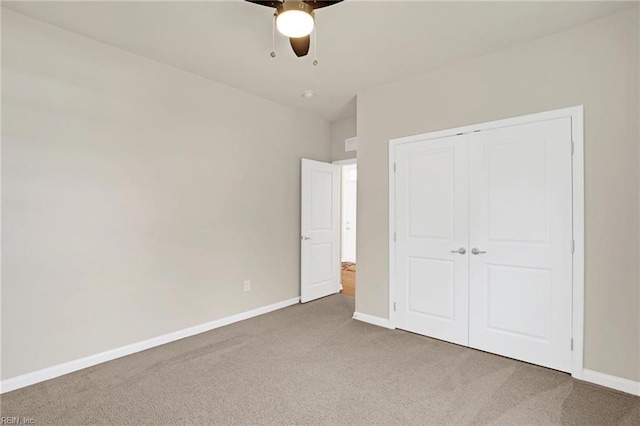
294,23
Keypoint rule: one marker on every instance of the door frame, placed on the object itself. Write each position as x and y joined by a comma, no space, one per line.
576,114
347,162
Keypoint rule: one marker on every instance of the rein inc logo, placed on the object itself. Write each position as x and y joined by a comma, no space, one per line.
15,420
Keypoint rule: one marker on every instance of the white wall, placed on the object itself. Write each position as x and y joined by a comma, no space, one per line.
136,197
339,131
596,65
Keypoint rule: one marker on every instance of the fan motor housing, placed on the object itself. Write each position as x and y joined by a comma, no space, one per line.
295,5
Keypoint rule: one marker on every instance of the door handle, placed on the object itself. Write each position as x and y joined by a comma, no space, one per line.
305,238
461,250
476,251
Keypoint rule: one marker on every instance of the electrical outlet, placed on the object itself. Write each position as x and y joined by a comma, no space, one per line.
247,285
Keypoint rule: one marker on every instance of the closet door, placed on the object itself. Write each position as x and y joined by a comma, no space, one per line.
521,242
432,260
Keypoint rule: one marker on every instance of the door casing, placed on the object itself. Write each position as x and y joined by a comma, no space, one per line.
348,161
576,114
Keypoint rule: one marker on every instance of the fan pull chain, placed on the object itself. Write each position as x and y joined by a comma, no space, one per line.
273,37
315,44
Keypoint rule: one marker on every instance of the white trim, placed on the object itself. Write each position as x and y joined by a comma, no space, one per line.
507,122
346,162
577,170
577,130
91,360
370,319
392,231
613,382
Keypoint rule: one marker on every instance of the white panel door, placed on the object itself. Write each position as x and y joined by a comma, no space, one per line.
520,228
320,230
432,234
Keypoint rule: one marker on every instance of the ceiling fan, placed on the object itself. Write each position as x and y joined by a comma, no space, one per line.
296,20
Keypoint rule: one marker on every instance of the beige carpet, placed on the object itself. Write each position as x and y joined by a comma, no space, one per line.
313,364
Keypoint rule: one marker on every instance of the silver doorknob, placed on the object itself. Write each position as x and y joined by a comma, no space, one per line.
461,250
304,237
476,251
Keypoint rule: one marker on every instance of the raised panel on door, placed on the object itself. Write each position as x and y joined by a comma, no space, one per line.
520,223
320,230
431,288
431,225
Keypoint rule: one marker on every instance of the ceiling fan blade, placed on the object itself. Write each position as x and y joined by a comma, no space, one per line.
272,3
300,45
316,4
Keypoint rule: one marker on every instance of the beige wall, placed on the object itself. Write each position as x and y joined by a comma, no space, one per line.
596,65
136,197
341,130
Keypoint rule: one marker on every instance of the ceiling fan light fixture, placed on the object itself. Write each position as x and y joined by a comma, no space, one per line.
295,19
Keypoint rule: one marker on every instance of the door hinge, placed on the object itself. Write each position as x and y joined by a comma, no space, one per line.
394,167
572,343
573,147
394,237
573,246
394,306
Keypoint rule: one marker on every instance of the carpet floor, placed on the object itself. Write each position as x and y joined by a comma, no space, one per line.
314,364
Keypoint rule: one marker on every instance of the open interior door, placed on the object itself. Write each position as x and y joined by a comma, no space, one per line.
320,230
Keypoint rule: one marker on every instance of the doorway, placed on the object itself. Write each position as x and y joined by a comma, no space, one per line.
349,184
327,228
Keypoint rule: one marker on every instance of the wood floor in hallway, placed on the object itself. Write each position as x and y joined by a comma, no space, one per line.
349,279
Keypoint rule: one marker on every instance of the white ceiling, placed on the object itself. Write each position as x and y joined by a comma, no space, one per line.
361,44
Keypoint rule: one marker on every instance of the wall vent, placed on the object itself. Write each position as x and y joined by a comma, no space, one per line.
351,144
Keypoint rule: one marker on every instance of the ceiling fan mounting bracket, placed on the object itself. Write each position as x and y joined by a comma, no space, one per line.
295,5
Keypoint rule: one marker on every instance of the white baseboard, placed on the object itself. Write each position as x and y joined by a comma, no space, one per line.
91,360
613,382
602,379
380,322
13,383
